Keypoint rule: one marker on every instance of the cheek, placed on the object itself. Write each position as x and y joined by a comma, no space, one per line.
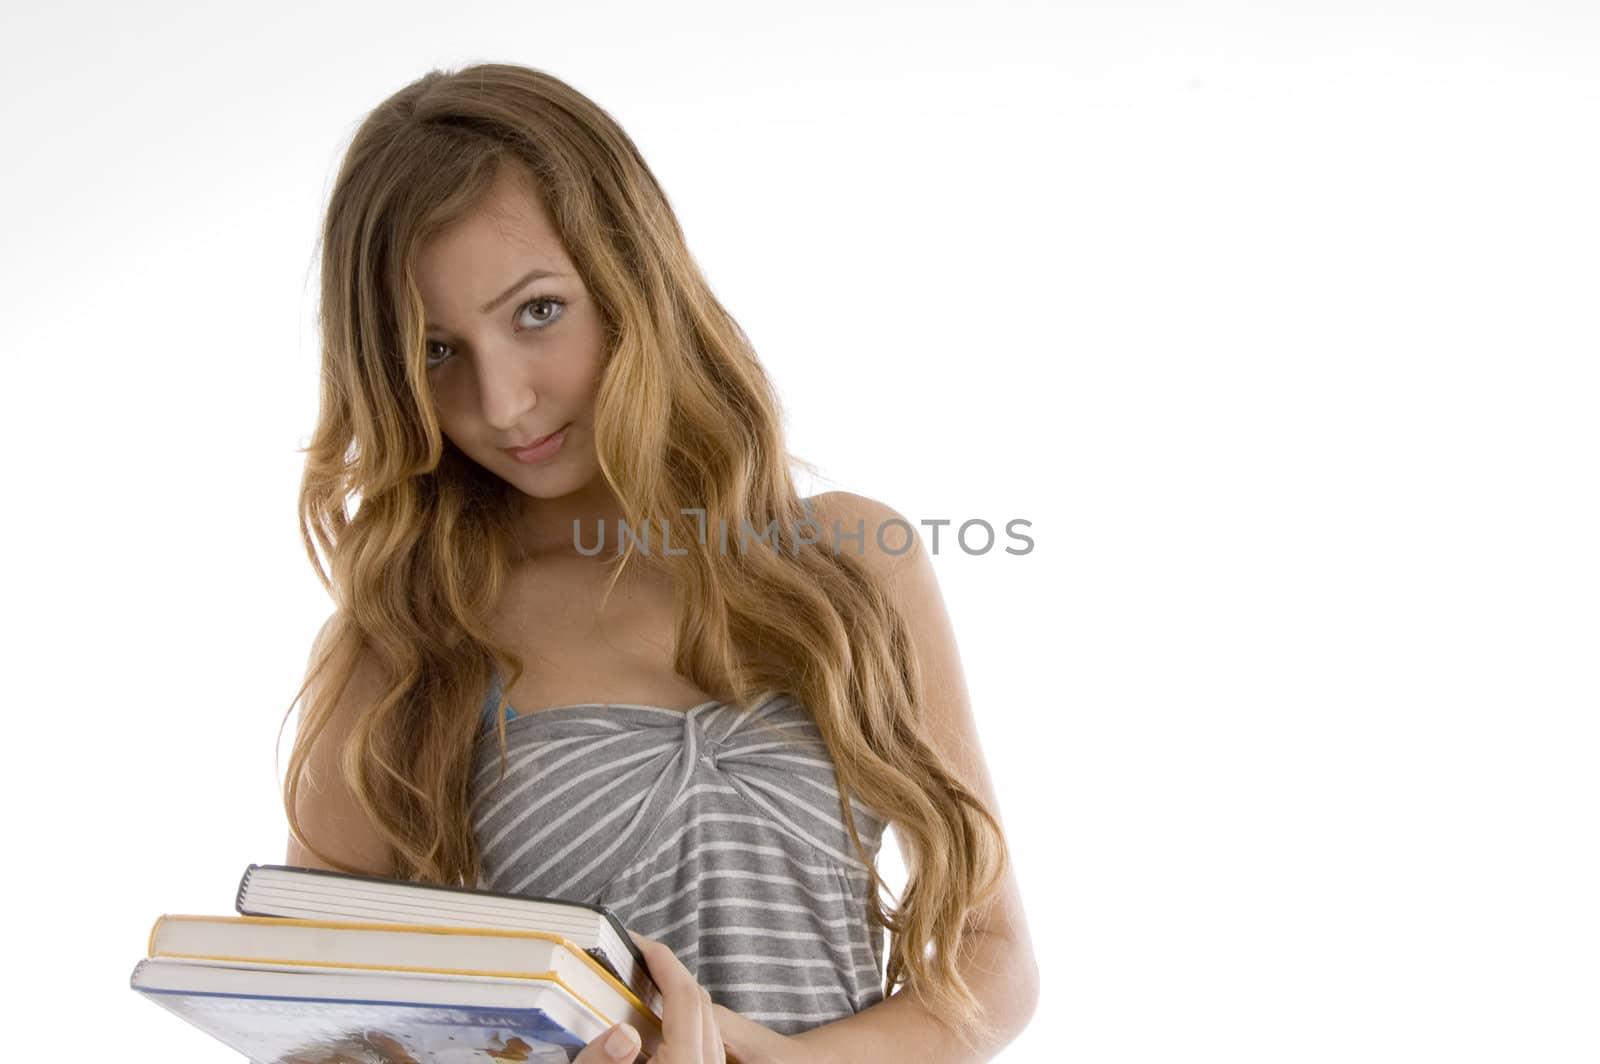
588,373
573,379
454,397
449,412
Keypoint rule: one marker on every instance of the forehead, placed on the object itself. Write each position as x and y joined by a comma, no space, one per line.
508,234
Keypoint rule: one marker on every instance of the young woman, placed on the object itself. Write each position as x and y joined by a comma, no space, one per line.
707,730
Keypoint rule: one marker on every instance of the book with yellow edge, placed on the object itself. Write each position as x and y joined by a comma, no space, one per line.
289,991
322,894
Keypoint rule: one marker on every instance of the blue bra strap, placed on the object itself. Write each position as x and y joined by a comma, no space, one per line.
492,698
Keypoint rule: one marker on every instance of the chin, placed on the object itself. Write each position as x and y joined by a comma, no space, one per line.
553,481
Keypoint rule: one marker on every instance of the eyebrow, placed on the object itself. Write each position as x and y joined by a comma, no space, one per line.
516,286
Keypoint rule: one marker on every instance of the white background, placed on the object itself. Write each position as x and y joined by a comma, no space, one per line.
1276,321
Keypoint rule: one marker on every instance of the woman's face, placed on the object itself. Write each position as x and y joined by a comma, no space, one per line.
512,356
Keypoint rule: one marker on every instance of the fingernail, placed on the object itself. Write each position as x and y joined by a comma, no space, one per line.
623,1043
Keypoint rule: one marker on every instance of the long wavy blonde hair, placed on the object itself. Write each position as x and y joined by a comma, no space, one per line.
685,417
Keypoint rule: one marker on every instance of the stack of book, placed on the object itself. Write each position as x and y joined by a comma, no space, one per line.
321,967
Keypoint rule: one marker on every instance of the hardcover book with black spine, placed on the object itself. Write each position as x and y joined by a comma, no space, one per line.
322,894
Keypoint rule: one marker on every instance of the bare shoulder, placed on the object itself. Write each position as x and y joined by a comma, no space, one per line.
330,814
943,704
890,547
875,533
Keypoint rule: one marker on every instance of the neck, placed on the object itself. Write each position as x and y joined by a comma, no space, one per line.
546,525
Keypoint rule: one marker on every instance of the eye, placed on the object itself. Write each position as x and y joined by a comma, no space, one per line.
558,307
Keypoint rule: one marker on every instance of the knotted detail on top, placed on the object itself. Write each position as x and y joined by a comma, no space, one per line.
597,781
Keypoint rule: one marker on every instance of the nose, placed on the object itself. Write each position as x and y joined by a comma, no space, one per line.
507,390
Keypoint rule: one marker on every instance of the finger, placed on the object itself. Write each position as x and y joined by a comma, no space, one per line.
602,1051
710,1035
680,1000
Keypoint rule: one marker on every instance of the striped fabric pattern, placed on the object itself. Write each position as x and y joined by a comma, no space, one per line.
714,830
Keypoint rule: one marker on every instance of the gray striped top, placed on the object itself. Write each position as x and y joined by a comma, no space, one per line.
712,830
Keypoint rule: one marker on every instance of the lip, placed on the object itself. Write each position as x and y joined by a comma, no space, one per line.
541,448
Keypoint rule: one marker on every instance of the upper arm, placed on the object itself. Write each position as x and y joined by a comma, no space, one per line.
942,699
326,808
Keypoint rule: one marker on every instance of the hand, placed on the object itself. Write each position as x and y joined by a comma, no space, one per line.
694,1030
